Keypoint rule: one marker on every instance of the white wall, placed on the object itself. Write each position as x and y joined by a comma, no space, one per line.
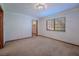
17,26
72,27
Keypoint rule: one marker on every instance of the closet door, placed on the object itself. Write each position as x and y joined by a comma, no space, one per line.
1,28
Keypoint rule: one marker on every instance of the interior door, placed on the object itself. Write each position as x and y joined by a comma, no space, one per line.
34,28
1,28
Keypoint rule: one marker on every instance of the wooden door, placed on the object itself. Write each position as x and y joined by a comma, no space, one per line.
34,28
1,28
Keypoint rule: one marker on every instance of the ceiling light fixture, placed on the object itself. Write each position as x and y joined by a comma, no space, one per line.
40,6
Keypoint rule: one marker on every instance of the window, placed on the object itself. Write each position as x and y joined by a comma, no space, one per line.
57,24
50,24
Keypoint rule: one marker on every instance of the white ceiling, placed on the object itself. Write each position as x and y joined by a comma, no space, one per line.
28,8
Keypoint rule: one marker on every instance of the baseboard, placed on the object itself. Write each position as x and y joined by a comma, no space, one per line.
43,36
19,39
60,41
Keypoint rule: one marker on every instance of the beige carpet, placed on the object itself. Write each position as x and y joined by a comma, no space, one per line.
39,46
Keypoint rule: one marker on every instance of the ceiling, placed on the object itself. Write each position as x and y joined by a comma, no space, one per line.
29,9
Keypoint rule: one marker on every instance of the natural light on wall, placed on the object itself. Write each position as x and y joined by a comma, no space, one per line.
34,22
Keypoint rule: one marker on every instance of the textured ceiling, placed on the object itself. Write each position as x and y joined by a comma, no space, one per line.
29,9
